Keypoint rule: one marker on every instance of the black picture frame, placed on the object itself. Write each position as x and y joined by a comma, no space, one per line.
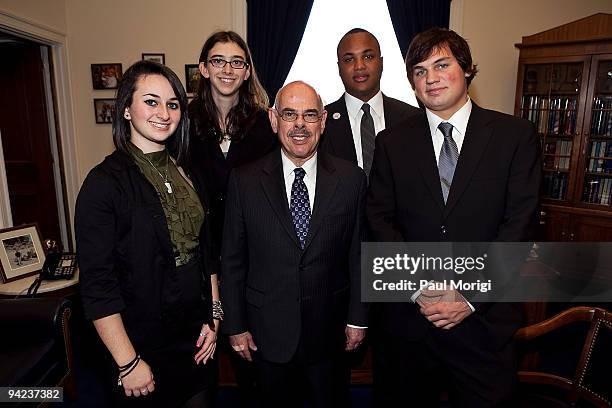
157,57
104,110
106,76
192,77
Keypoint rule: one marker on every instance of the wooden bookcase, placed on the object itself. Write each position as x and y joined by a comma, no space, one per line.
564,86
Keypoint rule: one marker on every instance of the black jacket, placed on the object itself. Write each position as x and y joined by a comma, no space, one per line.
125,254
206,158
271,287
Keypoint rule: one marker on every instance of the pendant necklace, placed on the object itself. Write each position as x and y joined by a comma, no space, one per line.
164,176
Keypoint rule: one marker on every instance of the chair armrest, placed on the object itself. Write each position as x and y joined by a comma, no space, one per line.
39,317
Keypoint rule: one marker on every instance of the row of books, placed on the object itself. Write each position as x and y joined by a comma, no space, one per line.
561,149
601,121
598,190
550,115
601,157
555,185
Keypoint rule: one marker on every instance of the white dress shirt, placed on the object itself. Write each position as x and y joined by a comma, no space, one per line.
459,120
353,107
310,178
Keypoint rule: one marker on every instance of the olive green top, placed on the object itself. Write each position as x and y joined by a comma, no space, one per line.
181,204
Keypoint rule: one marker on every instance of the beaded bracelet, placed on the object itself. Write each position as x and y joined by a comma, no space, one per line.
217,310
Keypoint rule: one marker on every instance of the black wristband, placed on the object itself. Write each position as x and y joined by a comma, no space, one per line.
125,367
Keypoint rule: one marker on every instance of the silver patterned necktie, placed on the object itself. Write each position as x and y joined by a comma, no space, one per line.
448,158
368,135
300,206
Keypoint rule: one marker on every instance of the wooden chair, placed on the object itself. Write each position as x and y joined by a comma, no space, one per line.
591,384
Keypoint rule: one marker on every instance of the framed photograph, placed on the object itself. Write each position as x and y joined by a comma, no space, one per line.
192,77
21,252
160,58
104,109
106,76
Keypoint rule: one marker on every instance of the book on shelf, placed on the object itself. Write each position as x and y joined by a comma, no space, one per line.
554,115
601,117
598,190
555,185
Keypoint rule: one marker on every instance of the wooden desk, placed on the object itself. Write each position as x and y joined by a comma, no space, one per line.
48,288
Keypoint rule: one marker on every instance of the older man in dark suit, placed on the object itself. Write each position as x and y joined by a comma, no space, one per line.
457,172
291,253
363,110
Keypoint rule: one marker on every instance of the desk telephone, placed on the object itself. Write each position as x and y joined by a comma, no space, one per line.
58,265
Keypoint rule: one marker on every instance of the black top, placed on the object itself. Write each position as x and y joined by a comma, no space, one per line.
207,159
125,255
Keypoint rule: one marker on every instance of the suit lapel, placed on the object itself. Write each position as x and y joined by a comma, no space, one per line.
274,187
477,136
425,157
339,129
327,181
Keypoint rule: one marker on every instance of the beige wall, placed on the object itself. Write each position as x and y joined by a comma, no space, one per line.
47,13
120,31
493,27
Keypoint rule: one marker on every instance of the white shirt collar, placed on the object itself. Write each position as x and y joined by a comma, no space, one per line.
459,120
353,105
310,166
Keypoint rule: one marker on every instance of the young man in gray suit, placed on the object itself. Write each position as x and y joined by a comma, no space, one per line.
363,110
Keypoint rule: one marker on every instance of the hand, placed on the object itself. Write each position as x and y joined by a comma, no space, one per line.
139,381
444,308
354,337
207,342
243,344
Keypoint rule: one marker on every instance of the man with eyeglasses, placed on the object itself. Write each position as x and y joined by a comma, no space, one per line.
290,264
363,110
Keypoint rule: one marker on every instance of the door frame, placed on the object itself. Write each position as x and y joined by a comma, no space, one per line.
63,107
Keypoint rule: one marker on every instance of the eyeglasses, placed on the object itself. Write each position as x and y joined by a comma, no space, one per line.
220,63
291,116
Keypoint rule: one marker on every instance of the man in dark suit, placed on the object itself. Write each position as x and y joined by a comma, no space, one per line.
457,172
291,276
350,131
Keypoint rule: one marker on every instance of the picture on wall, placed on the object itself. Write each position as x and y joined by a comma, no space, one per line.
104,109
192,76
106,76
159,58
21,252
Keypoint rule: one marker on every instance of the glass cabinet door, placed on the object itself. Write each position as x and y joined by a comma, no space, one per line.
550,97
597,186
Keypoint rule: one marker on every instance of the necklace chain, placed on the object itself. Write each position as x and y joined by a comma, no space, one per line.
164,177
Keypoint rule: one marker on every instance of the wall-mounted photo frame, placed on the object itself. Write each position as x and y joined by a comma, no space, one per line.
106,76
104,109
21,252
192,77
159,58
